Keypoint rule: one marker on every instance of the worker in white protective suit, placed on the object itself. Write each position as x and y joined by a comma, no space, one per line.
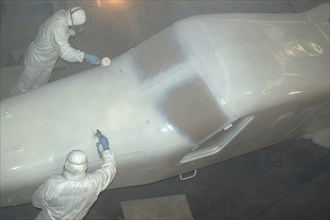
70,195
50,43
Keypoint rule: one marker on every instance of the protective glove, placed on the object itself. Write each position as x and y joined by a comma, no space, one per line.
103,140
92,59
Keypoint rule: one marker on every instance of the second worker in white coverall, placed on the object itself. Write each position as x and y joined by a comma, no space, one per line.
51,42
70,195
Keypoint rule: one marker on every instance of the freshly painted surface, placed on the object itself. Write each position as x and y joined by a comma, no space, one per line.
204,90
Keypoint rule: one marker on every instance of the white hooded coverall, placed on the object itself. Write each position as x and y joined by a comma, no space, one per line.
50,43
71,198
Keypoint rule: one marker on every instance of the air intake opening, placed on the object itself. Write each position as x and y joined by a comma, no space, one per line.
218,141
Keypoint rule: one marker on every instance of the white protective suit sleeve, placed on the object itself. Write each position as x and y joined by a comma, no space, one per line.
107,172
38,198
63,47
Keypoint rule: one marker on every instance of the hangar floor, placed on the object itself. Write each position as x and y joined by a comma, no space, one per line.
285,181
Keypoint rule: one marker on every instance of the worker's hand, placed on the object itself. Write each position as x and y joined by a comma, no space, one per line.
92,59
103,140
